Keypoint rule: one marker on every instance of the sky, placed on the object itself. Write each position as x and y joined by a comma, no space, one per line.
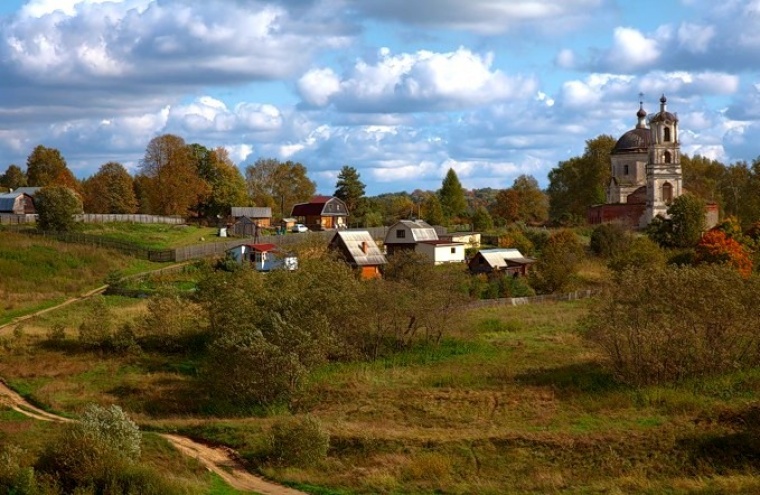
401,90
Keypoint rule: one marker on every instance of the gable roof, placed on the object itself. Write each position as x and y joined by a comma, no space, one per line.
31,191
251,211
501,258
420,229
8,200
360,247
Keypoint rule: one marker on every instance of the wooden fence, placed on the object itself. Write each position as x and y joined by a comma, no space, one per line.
104,218
11,219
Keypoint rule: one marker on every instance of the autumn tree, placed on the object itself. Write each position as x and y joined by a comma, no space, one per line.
278,184
452,196
558,263
56,207
717,247
225,184
46,166
523,202
580,182
173,186
13,177
349,188
110,190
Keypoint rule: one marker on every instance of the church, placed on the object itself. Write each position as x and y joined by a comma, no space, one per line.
646,172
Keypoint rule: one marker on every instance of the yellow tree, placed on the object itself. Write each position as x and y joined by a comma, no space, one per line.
110,190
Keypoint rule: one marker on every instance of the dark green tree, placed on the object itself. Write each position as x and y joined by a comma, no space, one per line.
225,184
452,196
432,211
56,207
349,188
580,182
481,220
13,177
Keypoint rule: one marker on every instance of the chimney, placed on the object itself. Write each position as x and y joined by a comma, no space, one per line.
364,247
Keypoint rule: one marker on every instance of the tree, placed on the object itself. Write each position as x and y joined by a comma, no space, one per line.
556,267
452,196
523,202
46,167
13,177
226,185
349,188
172,185
702,176
278,184
56,207
609,239
481,220
110,190
687,214
580,182
432,211
716,247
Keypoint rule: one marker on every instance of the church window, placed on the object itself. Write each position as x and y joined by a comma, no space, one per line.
667,134
667,193
625,169
668,157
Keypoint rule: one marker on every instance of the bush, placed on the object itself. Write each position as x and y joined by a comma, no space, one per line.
609,239
668,324
301,441
641,253
95,329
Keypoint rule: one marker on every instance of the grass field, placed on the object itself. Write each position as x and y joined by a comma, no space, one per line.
37,273
153,236
514,400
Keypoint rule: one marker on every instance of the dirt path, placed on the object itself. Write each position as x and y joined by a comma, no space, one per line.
222,461
72,300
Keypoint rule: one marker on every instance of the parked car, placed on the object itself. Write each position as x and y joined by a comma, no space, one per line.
299,227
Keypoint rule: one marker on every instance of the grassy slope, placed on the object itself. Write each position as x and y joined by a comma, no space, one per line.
37,273
153,236
513,402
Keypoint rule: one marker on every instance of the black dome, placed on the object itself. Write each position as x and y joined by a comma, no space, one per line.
633,141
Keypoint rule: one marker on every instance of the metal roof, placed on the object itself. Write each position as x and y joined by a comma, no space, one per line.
500,258
420,229
31,191
251,211
361,247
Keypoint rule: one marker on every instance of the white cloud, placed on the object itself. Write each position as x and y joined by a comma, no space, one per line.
317,86
695,38
632,50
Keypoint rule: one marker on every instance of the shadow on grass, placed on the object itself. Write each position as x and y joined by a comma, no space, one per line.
573,379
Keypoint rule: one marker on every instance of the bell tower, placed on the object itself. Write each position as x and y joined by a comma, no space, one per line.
664,178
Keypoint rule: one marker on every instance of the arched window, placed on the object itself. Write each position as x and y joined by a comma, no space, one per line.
667,193
668,157
666,134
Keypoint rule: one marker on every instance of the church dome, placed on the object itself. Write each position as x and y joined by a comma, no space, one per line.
634,141
663,115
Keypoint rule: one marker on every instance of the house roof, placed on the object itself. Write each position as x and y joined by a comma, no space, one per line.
501,258
251,211
320,206
261,248
360,247
420,229
8,200
31,191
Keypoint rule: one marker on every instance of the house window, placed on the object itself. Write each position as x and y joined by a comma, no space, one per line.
668,157
666,133
625,169
400,234
453,250
667,192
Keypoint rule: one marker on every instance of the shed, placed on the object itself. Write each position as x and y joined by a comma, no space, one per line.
440,252
245,227
263,257
360,251
510,261
258,214
17,203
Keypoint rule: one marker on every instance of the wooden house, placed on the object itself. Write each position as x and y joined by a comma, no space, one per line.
263,257
360,251
321,213
245,227
506,261
405,234
261,215
17,203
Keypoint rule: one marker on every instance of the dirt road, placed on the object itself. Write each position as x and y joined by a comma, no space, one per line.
222,461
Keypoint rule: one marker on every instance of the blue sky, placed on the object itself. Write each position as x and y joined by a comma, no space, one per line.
402,90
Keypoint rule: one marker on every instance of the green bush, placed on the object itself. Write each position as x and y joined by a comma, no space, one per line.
672,323
301,441
609,239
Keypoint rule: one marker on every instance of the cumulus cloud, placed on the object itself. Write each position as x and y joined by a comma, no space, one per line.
421,81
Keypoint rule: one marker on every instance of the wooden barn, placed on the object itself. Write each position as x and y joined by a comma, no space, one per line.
17,203
360,251
506,261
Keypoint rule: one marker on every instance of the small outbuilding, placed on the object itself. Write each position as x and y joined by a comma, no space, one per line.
261,215
441,252
263,257
360,251
17,203
506,261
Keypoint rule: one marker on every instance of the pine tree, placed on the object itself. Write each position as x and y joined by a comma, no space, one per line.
452,197
349,187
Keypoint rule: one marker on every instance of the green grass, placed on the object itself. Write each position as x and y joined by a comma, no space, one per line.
152,236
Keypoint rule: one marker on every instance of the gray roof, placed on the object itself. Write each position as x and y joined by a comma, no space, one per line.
499,258
8,201
353,241
31,191
251,211
421,230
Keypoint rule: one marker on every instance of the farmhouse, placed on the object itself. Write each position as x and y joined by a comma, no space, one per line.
507,261
321,213
405,234
360,251
263,257
17,203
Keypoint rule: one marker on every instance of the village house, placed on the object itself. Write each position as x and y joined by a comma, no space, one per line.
420,237
322,213
360,251
17,203
500,261
263,257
